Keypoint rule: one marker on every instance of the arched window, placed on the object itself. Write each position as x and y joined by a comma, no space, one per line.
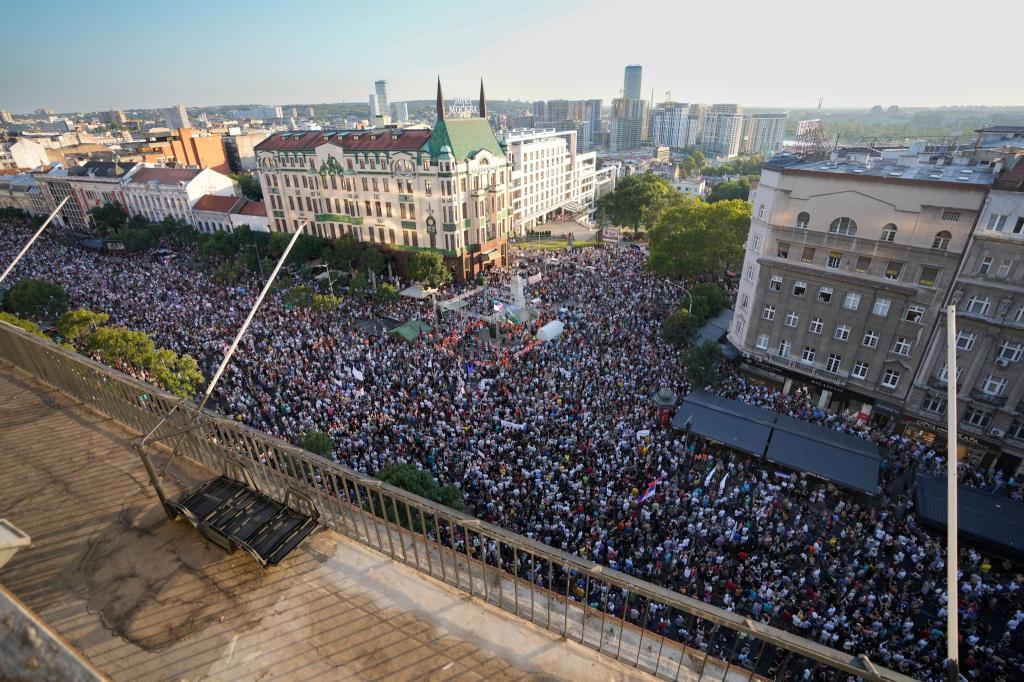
942,240
844,226
889,233
803,219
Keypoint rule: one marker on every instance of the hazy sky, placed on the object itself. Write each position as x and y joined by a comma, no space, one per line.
82,56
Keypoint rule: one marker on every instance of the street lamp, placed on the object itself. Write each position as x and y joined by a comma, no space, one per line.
330,282
258,259
689,308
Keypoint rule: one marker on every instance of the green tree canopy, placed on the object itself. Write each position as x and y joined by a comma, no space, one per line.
75,324
108,218
680,327
748,166
344,253
428,267
371,259
732,189
637,201
27,325
701,364
317,442
421,482
693,237
250,186
36,299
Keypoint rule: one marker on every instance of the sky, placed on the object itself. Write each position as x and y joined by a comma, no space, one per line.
104,54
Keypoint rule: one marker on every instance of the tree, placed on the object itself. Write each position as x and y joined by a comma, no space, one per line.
75,324
317,442
428,267
36,299
250,186
27,325
372,260
421,482
343,254
693,237
307,248
637,201
301,296
108,218
360,282
178,374
386,293
135,239
700,363
325,303
680,327
732,189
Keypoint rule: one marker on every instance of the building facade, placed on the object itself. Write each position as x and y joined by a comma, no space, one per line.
444,190
722,131
632,81
177,117
157,193
22,154
989,297
847,265
97,183
212,212
55,186
626,125
763,133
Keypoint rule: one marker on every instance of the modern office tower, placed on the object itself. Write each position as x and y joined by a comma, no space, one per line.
374,109
847,265
632,81
762,133
540,110
400,112
380,88
722,131
626,124
310,112
177,117
593,114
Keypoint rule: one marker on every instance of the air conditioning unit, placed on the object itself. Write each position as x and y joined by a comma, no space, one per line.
1002,362
998,433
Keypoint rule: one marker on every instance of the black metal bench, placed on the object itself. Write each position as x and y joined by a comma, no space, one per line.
230,514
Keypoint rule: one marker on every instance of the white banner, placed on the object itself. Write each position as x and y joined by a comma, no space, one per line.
533,279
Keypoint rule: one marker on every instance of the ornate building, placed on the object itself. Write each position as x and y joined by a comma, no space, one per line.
403,191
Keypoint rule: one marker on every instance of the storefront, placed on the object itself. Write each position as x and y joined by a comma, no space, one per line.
971,449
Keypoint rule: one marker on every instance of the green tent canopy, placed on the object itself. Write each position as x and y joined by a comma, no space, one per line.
411,330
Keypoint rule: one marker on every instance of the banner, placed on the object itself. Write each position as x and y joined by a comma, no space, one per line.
533,279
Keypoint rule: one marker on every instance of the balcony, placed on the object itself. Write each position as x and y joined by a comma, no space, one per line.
988,399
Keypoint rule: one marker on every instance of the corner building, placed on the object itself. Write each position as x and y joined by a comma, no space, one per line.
445,190
847,266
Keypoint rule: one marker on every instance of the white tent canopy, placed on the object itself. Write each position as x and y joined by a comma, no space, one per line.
417,292
551,331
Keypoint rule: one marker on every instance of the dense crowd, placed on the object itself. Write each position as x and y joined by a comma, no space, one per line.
557,441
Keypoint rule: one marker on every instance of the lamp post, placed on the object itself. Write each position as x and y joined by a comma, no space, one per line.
689,298
330,282
258,259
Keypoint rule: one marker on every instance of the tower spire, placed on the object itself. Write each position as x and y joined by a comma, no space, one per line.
483,100
440,101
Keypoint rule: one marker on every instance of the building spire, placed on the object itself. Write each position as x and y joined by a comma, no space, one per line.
483,100
440,101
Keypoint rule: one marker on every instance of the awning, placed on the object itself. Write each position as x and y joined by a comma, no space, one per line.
740,426
845,460
983,517
417,292
411,329
455,304
714,328
551,331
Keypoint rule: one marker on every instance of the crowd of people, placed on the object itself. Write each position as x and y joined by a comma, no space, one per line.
558,441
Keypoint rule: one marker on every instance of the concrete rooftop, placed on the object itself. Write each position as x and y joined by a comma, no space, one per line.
144,598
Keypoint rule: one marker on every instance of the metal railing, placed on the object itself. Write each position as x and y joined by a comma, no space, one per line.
641,624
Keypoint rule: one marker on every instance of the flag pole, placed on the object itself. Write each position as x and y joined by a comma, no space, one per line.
952,553
25,248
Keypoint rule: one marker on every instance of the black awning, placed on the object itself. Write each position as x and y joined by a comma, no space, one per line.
846,460
735,424
983,517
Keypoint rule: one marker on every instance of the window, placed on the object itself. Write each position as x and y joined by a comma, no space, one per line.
1018,314
851,301
842,332
979,305
835,259
750,273
769,312
986,265
891,379
782,250
775,283
943,374
792,319
426,183
901,346
965,340
1010,352
996,222
825,295
893,270
799,288
914,313
760,212
993,385
976,417
1019,225
928,276
745,301
844,226
755,243
833,362
807,355
784,348
860,370
808,255
815,326
870,339
863,263
889,233
1004,268
803,219
762,342
941,240
934,404
951,216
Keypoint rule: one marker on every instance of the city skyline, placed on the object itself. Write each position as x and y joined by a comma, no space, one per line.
716,67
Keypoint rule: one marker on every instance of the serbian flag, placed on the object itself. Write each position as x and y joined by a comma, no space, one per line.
649,493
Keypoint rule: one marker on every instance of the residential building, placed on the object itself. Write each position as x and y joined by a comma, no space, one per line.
989,297
241,149
763,133
400,189
212,212
16,191
96,183
540,110
631,82
158,193
549,175
22,154
722,131
186,147
626,130
593,114
5,117
846,269
252,214
114,117
55,187
693,187
177,117
670,125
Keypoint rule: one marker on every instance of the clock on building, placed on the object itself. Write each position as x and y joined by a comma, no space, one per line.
402,168
431,224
